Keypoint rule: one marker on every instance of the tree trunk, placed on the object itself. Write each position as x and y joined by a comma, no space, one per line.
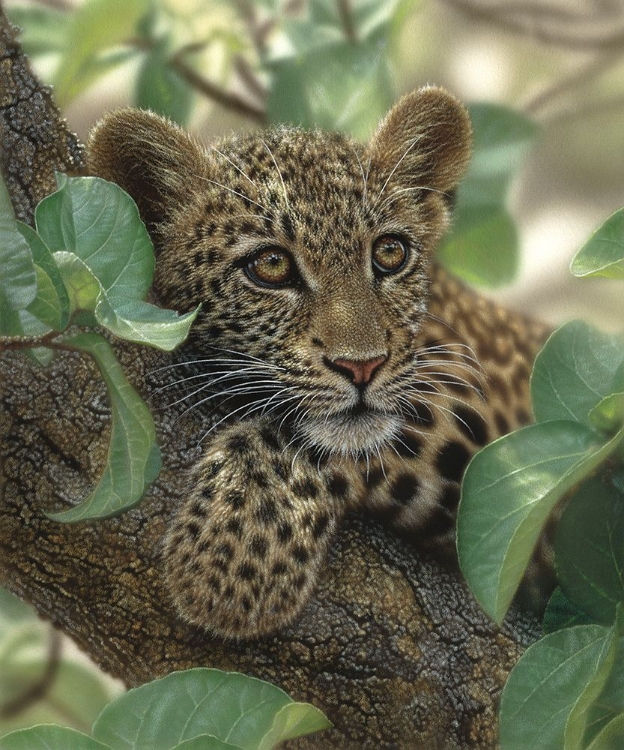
392,646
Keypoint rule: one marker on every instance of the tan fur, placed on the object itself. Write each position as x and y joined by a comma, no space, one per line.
293,441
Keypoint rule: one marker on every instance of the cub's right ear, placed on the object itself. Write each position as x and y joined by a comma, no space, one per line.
149,157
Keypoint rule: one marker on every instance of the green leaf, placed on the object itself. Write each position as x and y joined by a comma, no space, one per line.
94,26
82,285
483,246
603,254
589,549
133,460
143,323
550,689
611,736
294,720
43,28
18,281
100,223
347,88
159,89
49,737
234,708
508,492
562,613
577,368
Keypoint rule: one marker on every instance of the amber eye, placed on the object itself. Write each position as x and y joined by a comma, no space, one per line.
271,266
389,254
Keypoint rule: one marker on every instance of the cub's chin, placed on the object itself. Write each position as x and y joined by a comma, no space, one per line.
350,433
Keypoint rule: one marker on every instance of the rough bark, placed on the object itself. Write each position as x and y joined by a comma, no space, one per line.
392,646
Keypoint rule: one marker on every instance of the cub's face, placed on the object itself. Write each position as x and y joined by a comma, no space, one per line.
309,254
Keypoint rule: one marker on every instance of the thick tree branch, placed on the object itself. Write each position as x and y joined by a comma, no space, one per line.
392,645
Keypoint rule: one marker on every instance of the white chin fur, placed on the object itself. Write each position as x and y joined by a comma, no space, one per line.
350,435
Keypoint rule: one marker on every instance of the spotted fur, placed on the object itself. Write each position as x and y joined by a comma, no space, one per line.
344,388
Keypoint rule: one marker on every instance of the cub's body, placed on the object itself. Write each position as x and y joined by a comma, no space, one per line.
345,367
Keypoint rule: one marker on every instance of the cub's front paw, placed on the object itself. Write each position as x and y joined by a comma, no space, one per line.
244,549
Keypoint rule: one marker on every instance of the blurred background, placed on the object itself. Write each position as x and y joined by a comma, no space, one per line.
550,149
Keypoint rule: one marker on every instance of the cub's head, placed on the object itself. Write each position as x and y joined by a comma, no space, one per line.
309,252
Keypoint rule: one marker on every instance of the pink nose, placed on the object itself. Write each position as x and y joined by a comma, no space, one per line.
360,372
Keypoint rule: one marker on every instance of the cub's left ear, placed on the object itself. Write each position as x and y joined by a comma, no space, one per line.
425,140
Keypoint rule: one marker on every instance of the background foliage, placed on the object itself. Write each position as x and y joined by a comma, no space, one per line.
339,65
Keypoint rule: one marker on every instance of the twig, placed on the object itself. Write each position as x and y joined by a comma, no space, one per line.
62,5
39,689
346,17
571,82
227,99
604,38
249,78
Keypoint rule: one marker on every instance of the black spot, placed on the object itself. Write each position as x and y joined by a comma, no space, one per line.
270,438
234,526
238,444
247,571
246,604
287,226
192,529
279,569
422,415
198,510
185,559
305,488
280,470
523,416
502,425
224,550
440,522
259,547
284,532
266,512
471,424
320,526
300,554
211,470
450,497
452,461
234,327
260,479
214,331
408,445
300,581
338,485
235,499
404,488
202,546
229,591
214,584
374,477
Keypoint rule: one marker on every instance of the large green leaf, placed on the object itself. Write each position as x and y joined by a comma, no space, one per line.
232,707
589,549
576,369
133,459
98,222
611,736
18,280
132,320
561,613
49,737
205,742
95,26
603,253
508,492
547,697
483,244
346,88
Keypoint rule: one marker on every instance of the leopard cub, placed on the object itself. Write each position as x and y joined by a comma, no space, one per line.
335,364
